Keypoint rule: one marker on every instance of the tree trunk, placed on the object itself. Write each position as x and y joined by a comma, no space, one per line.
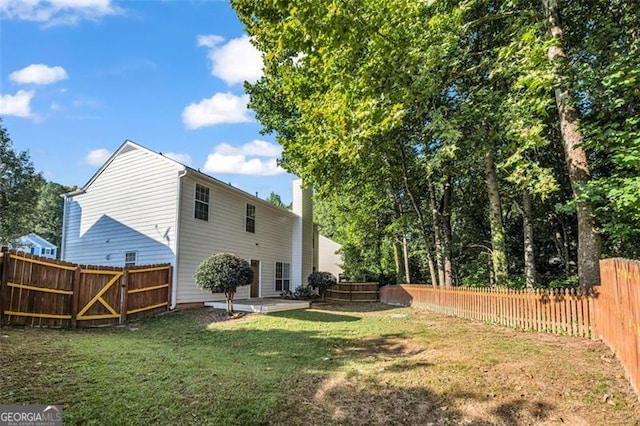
437,235
498,246
419,215
396,259
405,250
229,296
589,244
447,234
397,254
529,253
437,231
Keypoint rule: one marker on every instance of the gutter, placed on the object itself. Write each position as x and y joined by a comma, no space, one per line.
174,287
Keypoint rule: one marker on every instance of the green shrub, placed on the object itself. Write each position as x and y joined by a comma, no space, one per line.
304,293
321,281
224,272
571,282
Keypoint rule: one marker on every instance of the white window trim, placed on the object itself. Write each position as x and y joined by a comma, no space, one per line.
196,201
247,217
135,262
283,278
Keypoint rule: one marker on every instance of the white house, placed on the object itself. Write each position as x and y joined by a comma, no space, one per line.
35,244
329,257
144,208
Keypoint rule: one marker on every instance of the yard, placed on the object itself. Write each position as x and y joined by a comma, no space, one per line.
336,364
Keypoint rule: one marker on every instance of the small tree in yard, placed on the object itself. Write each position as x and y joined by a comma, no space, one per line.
224,272
321,281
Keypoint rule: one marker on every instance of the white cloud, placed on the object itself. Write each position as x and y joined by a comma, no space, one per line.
57,12
236,160
56,107
39,74
218,109
180,158
97,157
209,40
18,105
255,148
234,62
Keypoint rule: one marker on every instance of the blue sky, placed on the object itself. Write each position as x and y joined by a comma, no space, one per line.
79,77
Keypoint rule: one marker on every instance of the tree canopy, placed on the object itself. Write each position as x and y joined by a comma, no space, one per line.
457,142
224,272
19,188
28,203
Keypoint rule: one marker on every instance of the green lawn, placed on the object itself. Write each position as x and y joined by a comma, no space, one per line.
339,364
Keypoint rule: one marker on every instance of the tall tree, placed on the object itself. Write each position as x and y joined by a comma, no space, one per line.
47,220
19,188
275,199
589,244
411,96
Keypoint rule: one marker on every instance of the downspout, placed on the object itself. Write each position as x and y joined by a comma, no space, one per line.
64,225
174,287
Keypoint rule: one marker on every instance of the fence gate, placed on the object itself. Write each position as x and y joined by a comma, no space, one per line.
42,292
99,295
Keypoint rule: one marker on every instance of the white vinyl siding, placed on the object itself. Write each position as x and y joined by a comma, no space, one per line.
130,206
303,248
225,232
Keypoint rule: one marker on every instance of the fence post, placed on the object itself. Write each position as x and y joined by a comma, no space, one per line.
124,287
75,297
170,288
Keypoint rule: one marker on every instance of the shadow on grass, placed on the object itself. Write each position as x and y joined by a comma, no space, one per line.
314,316
170,365
512,412
352,307
352,400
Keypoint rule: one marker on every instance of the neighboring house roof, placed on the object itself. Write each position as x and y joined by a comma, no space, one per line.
129,145
36,240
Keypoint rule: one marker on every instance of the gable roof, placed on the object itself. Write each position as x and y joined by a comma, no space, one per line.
125,147
36,240
130,145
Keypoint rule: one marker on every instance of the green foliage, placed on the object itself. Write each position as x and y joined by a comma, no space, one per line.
47,221
380,105
300,293
275,199
571,282
19,188
223,272
321,280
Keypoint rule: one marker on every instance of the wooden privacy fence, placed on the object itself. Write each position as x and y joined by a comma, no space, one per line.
617,313
42,292
610,312
353,292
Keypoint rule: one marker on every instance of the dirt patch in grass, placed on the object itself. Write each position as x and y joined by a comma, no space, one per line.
448,371
206,316
360,364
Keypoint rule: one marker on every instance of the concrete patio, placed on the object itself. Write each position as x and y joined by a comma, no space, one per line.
262,306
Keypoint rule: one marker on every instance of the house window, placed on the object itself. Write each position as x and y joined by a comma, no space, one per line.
250,221
130,258
202,202
283,277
